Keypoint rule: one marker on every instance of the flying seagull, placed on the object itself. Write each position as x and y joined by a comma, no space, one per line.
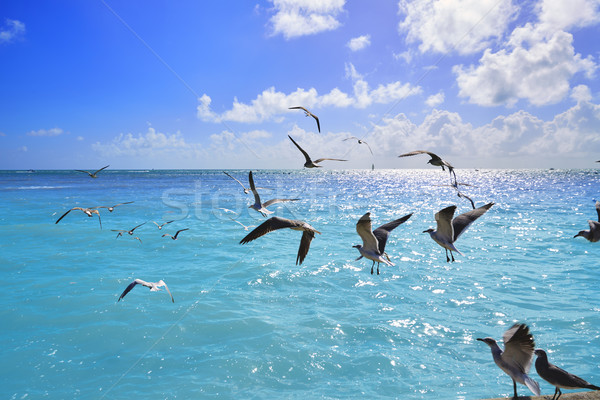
310,163
274,223
246,190
87,211
558,377
308,113
243,226
517,356
460,194
262,207
592,234
174,237
449,230
435,160
92,174
154,287
122,231
112,208
373,246
160,226
360,141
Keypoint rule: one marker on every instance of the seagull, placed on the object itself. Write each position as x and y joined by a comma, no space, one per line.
449,230
92,174
244,226
87,211
460,194
373,246
262,207
122,231
176,233
360,141
160,226
558,377
112,208
154,287
246,190
435,160
310,163
592,234
517,356
274,223
308,113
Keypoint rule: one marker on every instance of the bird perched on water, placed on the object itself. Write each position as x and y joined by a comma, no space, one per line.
262,207
88,211
275,223
435,160
593,234
92,174
154,287
558,377
310,163
449,230
517,356
360,141
122,231
374,241
307,114
174,237
112,208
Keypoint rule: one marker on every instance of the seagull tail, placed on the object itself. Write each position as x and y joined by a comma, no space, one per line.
532,385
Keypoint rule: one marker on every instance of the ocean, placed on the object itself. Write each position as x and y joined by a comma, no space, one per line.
248,323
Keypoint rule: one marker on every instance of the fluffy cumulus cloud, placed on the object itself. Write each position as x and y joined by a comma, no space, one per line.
581,93
271,104
359,43
462,26
435,99
11,30
562,15
46,132
295,18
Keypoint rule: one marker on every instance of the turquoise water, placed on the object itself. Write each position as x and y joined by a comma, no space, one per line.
249,323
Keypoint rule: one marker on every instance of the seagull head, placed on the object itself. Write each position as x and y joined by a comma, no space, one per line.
540,353
429,231
357,246
585,234
488,340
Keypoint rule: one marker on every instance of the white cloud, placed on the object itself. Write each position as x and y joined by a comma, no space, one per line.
295,18
11,30
359,43
271,103
46,132
536,67
150,144
435,99
581,93
562,15
462,26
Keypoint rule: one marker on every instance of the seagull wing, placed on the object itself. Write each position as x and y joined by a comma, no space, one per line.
162,283
383,232
598,209
325,159
351,137
307,237
253,189
269,225
128,289
137,227
87,172
368,147
298,108
463,221
301,150
241,184
181,230
101,169
414,153
364,230
316,119
518,346
62,216
273,201
444,222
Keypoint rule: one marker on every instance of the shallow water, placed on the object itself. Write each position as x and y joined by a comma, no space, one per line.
249,323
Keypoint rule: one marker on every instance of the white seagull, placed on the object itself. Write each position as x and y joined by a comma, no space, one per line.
308,114
360,141
310,163
160,226
593,234
275,223
262,207
435,160
517,356
373,246
87,211
246,190
112,208
449,230
154,287
92,174
122,231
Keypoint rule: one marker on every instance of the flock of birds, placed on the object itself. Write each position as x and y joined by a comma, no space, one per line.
519,347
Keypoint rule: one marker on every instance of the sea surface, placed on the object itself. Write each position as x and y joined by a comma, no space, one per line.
248,323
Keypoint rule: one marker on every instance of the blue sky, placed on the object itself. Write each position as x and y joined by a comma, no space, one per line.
189,84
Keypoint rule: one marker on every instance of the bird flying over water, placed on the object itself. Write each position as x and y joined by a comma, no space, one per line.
308,113
154,287
435,160
174,237
242,225
112,208
558,377
449,230
262,207
360,141
373,246
87,211
517,356
122,231
275,223
592,234
92,174
246,190
160,226
309,163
